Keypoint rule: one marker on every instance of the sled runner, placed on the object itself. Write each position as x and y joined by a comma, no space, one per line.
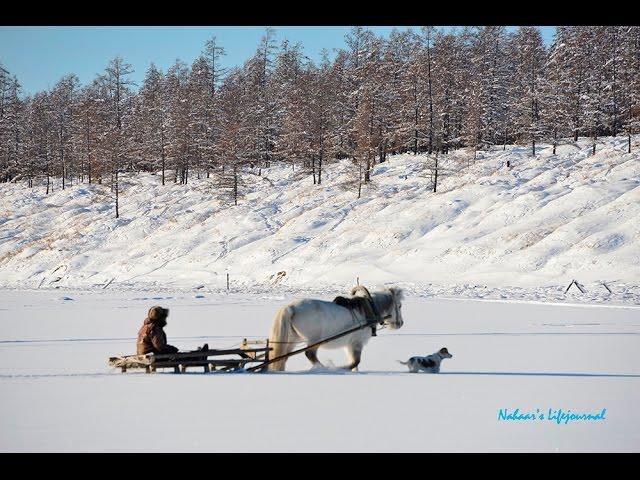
209,360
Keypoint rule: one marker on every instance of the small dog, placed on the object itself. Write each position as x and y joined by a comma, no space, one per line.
429,364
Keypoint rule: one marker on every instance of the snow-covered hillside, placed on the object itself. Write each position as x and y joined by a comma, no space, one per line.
538,224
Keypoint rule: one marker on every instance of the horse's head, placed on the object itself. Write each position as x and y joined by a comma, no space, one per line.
393,314
388,303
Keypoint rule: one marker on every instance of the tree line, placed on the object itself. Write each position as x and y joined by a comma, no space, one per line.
428,91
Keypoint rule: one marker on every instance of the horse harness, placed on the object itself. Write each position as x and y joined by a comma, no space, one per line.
366,304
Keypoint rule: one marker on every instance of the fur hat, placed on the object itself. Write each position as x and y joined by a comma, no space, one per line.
158,313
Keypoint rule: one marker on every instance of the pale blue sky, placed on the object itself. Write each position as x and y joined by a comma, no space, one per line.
40,56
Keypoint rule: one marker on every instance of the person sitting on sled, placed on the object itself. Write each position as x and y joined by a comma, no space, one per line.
151,337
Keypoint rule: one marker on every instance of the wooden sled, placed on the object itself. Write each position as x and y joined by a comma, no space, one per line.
236,359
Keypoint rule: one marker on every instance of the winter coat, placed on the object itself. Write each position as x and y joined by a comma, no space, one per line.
151,337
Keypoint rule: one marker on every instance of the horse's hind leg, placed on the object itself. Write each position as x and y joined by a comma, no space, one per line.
312,355
354,353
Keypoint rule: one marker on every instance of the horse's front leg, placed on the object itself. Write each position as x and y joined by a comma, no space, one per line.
354,353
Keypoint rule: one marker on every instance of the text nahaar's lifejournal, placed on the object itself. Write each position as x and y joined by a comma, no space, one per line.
559,416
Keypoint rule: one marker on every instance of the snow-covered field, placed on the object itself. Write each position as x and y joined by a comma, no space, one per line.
57,394
536,226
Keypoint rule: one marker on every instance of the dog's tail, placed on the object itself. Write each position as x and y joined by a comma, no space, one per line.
403,363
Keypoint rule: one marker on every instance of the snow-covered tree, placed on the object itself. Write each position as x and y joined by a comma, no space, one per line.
154,111
12,126
629,74
213,53
115,85
528,87
488,86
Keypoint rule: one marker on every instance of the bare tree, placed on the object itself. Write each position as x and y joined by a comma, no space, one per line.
117,85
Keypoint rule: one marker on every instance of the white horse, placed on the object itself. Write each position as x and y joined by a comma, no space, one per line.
310,320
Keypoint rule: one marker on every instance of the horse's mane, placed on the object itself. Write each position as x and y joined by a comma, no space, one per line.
353,303
360,288
396,292
383,298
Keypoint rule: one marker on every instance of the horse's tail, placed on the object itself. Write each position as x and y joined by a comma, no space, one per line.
281,337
